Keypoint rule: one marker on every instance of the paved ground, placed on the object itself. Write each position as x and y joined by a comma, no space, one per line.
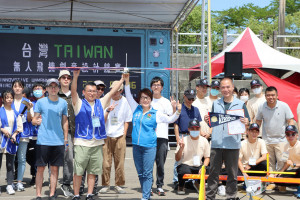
132,185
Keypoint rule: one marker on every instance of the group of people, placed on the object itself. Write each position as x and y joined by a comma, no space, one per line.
85,135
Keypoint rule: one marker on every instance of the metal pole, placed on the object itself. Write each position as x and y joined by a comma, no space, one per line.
177,80
224,39
281,22
209,40
172,63
202,38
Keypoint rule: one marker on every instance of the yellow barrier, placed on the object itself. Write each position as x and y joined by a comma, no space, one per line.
202,184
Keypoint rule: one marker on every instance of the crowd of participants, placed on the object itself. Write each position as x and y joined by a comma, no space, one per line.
85,135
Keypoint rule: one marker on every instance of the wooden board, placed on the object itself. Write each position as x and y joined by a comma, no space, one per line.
241,178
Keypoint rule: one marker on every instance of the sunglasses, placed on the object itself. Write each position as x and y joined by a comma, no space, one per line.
100,88
66,77
192,99
290,135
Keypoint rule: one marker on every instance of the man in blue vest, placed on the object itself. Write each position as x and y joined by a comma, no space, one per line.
224,147
89,134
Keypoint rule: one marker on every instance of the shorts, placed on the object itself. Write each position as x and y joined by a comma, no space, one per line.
54,155
89,159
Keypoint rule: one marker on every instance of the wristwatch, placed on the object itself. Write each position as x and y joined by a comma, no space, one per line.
294,164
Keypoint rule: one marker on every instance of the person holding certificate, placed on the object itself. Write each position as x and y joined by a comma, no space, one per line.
224,146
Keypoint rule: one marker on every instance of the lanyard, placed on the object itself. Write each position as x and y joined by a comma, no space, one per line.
252,151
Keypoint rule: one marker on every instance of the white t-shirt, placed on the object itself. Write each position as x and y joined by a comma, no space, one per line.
82,142
252,150
210,101
294,152
163,105
204,106
193,148
115,121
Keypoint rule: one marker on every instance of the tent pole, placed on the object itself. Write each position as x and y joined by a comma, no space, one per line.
202,38
209,41
177,80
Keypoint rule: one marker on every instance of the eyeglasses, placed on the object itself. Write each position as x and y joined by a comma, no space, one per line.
290,135
66,77
156,85
145,98
100,88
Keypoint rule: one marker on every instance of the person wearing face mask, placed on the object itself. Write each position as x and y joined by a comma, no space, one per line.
189,112
189,153
38,91
214,92
256,101
244,95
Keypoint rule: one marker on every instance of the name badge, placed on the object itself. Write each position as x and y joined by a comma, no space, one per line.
96,122
285,156
252,161
114,121
23,119
196,160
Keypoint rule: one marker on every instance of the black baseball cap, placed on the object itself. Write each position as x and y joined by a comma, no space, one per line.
202,82
255,82
291,128
254,126
190,94
215,84
194,123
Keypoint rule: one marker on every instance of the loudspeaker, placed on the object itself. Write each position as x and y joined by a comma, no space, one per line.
233,65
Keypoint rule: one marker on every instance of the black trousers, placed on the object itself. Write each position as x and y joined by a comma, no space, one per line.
30,156
161,155
183,169
262,166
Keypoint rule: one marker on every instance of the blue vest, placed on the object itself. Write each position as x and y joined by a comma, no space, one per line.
143,130
33,129
26,125
83,121
6,142
220,137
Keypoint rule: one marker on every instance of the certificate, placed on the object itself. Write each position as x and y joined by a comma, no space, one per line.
236,127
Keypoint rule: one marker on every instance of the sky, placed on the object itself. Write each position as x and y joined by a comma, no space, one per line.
218,5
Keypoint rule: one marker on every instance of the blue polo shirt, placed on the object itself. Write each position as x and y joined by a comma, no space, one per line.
186,116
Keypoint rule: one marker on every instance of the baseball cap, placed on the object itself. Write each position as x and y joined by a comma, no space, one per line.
255,82
115,83
215,84
99,82
194,123
63,72
202,82
52,80
291,128
254,126
190,94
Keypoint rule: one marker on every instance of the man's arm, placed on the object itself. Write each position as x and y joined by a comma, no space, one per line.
262,158
65,127
290,121
74,93
258,122
126,125
206,161
36,120
178,155
176,131
106,99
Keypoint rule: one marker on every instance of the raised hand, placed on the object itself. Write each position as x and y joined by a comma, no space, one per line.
76,73
112,107
181,143
179,106
126,78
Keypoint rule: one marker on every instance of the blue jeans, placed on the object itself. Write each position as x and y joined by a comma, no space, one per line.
22,149
144,158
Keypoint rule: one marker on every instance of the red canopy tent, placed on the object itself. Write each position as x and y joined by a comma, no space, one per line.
258,55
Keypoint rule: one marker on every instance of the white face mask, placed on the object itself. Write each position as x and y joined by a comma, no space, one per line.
244,98
256,90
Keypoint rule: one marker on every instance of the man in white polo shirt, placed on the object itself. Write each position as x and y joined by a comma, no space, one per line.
275,115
